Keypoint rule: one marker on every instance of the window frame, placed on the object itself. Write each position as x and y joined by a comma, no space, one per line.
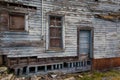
91,29
48,49
25,21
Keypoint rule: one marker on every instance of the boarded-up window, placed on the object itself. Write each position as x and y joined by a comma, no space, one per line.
55,32
17,23
4,21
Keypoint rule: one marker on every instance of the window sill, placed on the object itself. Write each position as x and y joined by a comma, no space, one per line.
54,50
83,54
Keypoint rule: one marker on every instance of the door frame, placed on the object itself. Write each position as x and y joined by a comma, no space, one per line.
92,40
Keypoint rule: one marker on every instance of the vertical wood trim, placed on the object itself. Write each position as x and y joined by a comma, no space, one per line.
78,42
92,34
63,32
26,22
47,33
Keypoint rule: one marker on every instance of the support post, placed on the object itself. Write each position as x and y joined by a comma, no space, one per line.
21,71
72,65
58,66
51,67
27,70
16,71
68,65
45,68
36,69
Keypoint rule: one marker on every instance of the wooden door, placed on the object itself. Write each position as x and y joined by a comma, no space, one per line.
84,42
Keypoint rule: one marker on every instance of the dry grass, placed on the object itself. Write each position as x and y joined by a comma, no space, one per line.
109,75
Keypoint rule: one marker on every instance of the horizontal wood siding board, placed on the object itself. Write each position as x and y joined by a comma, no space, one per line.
17,4
21,43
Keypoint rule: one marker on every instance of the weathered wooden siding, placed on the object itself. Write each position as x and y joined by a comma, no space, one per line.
23,43
71,12
78,13
106,33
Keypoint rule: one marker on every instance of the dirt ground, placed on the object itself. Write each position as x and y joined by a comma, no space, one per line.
113,74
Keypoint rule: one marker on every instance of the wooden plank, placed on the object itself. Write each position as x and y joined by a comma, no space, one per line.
22,43
17,22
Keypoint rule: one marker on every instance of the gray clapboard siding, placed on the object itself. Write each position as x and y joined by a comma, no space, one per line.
76,14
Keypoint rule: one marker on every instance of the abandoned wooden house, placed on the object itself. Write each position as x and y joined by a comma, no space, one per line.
41,36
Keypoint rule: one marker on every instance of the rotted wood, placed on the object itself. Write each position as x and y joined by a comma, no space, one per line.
17,4
109,16
17,62
4,18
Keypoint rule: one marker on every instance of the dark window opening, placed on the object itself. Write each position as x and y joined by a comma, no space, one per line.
55,67
32,69
82,64
13,59
88,62
65,65
49,67
24,70
11,71
74,64
18,72
96,0
4,59
70,65
77,64
41,68
61,66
